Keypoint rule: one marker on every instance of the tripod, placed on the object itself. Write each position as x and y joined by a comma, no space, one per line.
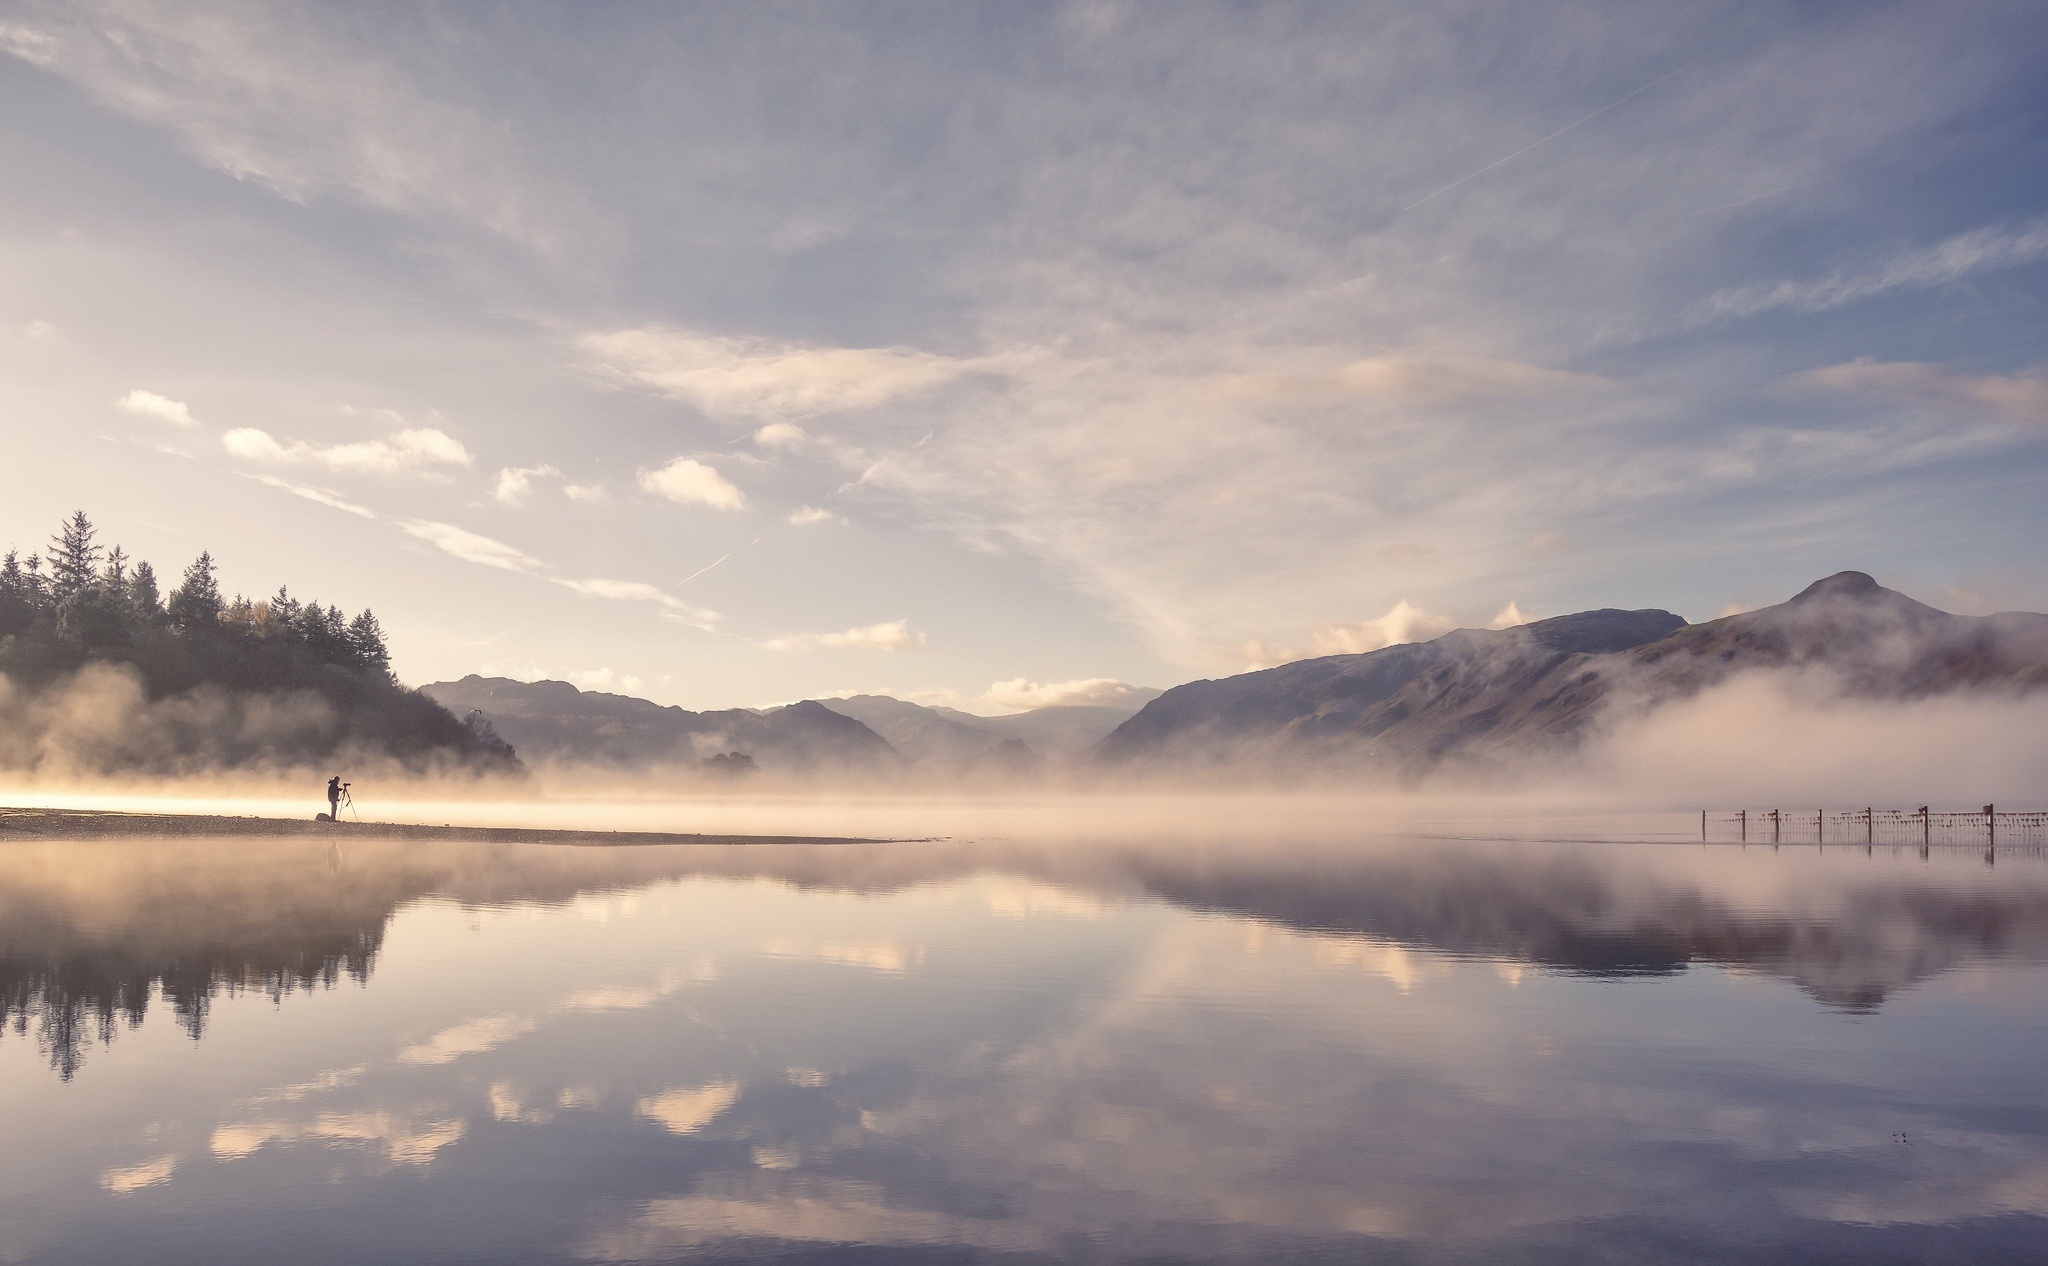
348,801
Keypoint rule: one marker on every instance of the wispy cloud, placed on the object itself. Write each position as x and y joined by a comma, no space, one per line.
2021,397
412,449
687,481
897,635
151,405
324,496
472,1037
635,591
1981,250
764,380
810,516
471,548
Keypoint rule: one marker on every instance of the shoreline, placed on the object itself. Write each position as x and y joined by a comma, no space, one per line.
97,824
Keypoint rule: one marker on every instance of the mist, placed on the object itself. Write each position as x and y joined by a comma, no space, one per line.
1804,739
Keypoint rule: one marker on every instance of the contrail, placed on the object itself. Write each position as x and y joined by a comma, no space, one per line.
701,570
1533,144
708,566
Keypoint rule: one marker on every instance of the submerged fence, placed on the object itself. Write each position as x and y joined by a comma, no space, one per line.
1988,827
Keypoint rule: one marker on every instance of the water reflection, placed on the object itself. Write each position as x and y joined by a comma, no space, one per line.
947,1051
91,934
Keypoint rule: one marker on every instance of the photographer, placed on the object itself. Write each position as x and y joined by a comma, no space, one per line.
335,788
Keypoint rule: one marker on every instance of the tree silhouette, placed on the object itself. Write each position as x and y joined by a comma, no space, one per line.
196,603
74,559
99,606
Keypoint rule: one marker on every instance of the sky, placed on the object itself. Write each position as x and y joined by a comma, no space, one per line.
994,355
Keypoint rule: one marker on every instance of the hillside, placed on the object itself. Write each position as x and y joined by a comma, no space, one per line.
100,673
1389,707
554,722
1540,690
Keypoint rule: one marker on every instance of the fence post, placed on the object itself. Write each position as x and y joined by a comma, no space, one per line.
1869,824
1703,826
1743,816
1991,825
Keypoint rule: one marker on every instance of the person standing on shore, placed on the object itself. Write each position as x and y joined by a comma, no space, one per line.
334,798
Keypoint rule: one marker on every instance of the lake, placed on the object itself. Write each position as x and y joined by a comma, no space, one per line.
1472,1045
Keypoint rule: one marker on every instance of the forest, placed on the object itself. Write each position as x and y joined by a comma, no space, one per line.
103,672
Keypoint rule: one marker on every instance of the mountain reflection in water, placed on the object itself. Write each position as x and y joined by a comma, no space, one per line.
1166,1050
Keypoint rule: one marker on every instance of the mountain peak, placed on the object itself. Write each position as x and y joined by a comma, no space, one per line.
1843,584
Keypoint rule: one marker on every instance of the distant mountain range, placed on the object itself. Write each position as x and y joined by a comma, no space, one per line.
949,738
1473,698
555,723
1480,697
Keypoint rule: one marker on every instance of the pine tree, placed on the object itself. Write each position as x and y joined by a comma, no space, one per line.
74,559
196,602
115,576
366,640
285,612
143,598
17,596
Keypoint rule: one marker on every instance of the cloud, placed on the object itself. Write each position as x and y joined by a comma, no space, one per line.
1021,695
688,1109
324,496
1417,379
2022,397
515,482
472,548
472,1037
806,516
1404,623
782,435
412,449
672,608
404,1140
1209,436
151,405
1981,250
286,100
123,1180
690,482
1510,616
894,636
589,494
765,380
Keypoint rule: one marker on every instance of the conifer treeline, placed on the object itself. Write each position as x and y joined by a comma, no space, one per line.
79,603
84,602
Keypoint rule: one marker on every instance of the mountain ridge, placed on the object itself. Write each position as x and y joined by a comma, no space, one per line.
1483,698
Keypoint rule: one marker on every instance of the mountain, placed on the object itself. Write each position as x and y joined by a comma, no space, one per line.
1867,641
1386,706
554,722
949,738
1481,697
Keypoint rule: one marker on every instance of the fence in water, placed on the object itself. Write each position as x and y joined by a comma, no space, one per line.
1988,827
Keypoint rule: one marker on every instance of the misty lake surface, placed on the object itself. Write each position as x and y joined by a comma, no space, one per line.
1401,1049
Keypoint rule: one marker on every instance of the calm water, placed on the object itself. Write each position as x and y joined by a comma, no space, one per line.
1396,1050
